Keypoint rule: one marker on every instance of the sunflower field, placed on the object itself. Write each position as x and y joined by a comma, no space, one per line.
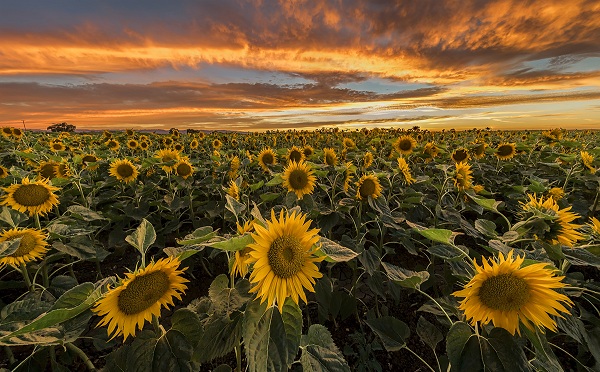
329,250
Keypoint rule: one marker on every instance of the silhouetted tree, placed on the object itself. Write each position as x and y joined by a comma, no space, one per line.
61,127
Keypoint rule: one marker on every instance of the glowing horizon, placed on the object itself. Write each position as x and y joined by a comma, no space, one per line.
260,65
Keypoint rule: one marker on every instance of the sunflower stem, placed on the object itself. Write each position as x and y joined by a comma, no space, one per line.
82,355
238,356
10,355
26,278
36,218
437,304
156,325
421,359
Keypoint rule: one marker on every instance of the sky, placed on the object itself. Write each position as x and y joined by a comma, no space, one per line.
256,65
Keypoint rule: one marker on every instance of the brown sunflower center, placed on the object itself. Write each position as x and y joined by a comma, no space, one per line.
307,151
286,256
57,146
47,170
460,155
480,149
125,170
31,195
298,179
405,145
184,169
268,158
367,187
295,155
26,245
143,292
504,292
505,150
89,159
330,159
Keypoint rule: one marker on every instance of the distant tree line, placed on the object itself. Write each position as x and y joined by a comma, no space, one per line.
61,127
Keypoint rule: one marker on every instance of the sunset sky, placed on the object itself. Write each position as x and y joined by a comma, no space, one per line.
304,64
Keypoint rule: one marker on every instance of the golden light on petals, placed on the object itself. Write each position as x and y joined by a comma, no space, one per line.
140,296
32,246
462,176
368,185
507,294
405,145
505,151
299,178
405,171
267,158
561,227
329,157
123,170
283,254
33,197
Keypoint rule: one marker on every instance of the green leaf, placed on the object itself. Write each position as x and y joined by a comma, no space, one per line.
429,333
447,252
392,332
405,278
9,247
335,252
83,213
143,237
234,206
237,243
170,352
12,217
85,252
221,334
70,304
503,347
439,235
486,227
200,235
188,323
225,299
278,179
488,204
292,323
265,340
456,339
319,352
269,196
581,257
545,359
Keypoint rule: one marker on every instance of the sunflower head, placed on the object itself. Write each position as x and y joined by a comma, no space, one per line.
368,185
548,222
57,146
32,246
556,193
299,178
460,155
367,160
587,159
267,158
431,150
405,145
169,157
479,150
3,172
308,151
405,170
348,143
239,266
6,132
505,293
594,228
47,169
123,170
283,254
90,158
194,144
34,197
183,168
132,144
462,176
330,158
295,154
141,296
505,151
112,144
233,190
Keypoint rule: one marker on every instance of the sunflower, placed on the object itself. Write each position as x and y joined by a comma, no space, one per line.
587,161
140,297
405,170
367,160
3,172
505,151
560,227
17,133
266,158
308,151
368,185
479,150
348,175
57,146
178,147
295,155
47,169
594,227
233,190
556,193
348,143
167,156
505,293
184,168
167,141
32,246
462,177
6,132
123,170
460,155
217,144
194,144
113,144
62,169
239,265
132,144
90,158
283,254
330,158
431,150
405,145
34,197
299,178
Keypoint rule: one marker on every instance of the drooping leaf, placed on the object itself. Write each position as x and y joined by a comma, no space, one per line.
405,278
319,352
392,332
335,252
143,237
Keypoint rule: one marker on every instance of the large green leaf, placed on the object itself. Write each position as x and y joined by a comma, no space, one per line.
392,332
225,299
438,235
428,333
335,252
85,214
319,352
12,217
405,278
143,237
456,339
234,206
221,334
9,247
